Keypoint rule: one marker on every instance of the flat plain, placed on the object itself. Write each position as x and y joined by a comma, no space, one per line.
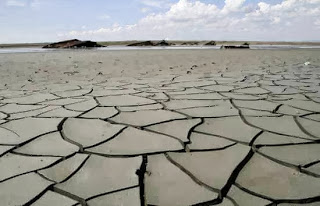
160,127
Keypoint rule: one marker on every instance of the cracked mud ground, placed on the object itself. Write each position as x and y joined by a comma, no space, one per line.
232,139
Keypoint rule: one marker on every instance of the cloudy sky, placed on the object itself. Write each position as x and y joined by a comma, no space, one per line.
52,20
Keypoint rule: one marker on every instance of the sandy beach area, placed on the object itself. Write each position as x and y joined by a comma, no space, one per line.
160,127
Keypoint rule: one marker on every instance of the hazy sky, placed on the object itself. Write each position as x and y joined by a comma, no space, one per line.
52,20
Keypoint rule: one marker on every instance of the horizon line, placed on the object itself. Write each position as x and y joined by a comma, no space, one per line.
175,40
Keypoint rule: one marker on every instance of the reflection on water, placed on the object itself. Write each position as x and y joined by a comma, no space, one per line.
283,47
120,48
24,50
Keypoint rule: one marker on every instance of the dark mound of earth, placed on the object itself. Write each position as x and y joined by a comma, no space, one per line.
144,43
210,43
189,43
73,43
163,43
235,47
150,43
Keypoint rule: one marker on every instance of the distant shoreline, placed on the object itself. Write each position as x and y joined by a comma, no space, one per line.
175,42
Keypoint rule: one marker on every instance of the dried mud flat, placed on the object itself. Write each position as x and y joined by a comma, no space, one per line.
229,137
